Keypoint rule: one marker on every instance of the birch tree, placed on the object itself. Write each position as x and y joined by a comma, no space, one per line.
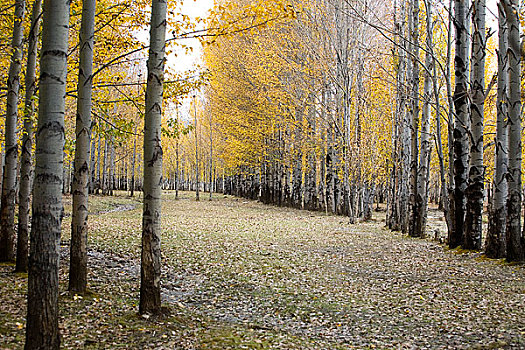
197,172
133,163
461,152
475,190
42,296
310,188
515,249
7,206
496,241
26,166
297,171
449,208
413,109
80,189
423,170
398,195
177,157
211,154
151,224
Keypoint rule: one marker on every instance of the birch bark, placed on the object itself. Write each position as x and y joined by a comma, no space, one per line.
151,219
7,206
475,189
80,189
515,243
496,242
26,165
423,171
460,98
42,297
414,209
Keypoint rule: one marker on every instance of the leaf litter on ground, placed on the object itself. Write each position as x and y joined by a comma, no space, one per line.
238,274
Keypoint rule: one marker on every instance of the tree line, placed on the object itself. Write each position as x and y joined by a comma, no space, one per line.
352,102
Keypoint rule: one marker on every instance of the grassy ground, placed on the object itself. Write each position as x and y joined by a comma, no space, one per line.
238,274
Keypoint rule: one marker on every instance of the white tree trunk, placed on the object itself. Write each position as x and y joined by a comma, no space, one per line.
461,126
99,161
26,167
310,178
151,218
515,243
297,172
475,190
414,209
496,241
197,171
398,195
42,299
7,205
133,164
80,186
424,157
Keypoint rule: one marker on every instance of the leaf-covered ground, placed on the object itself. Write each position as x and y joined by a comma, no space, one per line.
238,274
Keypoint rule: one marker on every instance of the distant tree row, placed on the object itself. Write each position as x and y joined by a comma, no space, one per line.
294,105
351,102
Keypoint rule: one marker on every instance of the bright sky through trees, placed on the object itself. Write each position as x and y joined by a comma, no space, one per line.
181,60
187,60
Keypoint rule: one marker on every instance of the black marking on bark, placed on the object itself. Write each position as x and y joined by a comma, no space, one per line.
53,126
48,178
45,75
58,53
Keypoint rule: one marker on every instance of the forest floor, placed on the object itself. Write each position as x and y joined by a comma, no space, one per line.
241,275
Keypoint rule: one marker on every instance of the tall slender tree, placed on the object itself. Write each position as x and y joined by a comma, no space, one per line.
461,152
151,224
414,208
423,170
211,155
450,201
93,159
197,172
515,244
475,189
399,190
496,240
80,186
297,170
405,128
443,201
42,293
26,166
133,163
310,188
177,156
7,205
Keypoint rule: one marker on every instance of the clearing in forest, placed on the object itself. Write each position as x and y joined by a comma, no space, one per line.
239,274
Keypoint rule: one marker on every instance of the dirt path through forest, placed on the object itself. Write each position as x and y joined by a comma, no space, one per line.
238,274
